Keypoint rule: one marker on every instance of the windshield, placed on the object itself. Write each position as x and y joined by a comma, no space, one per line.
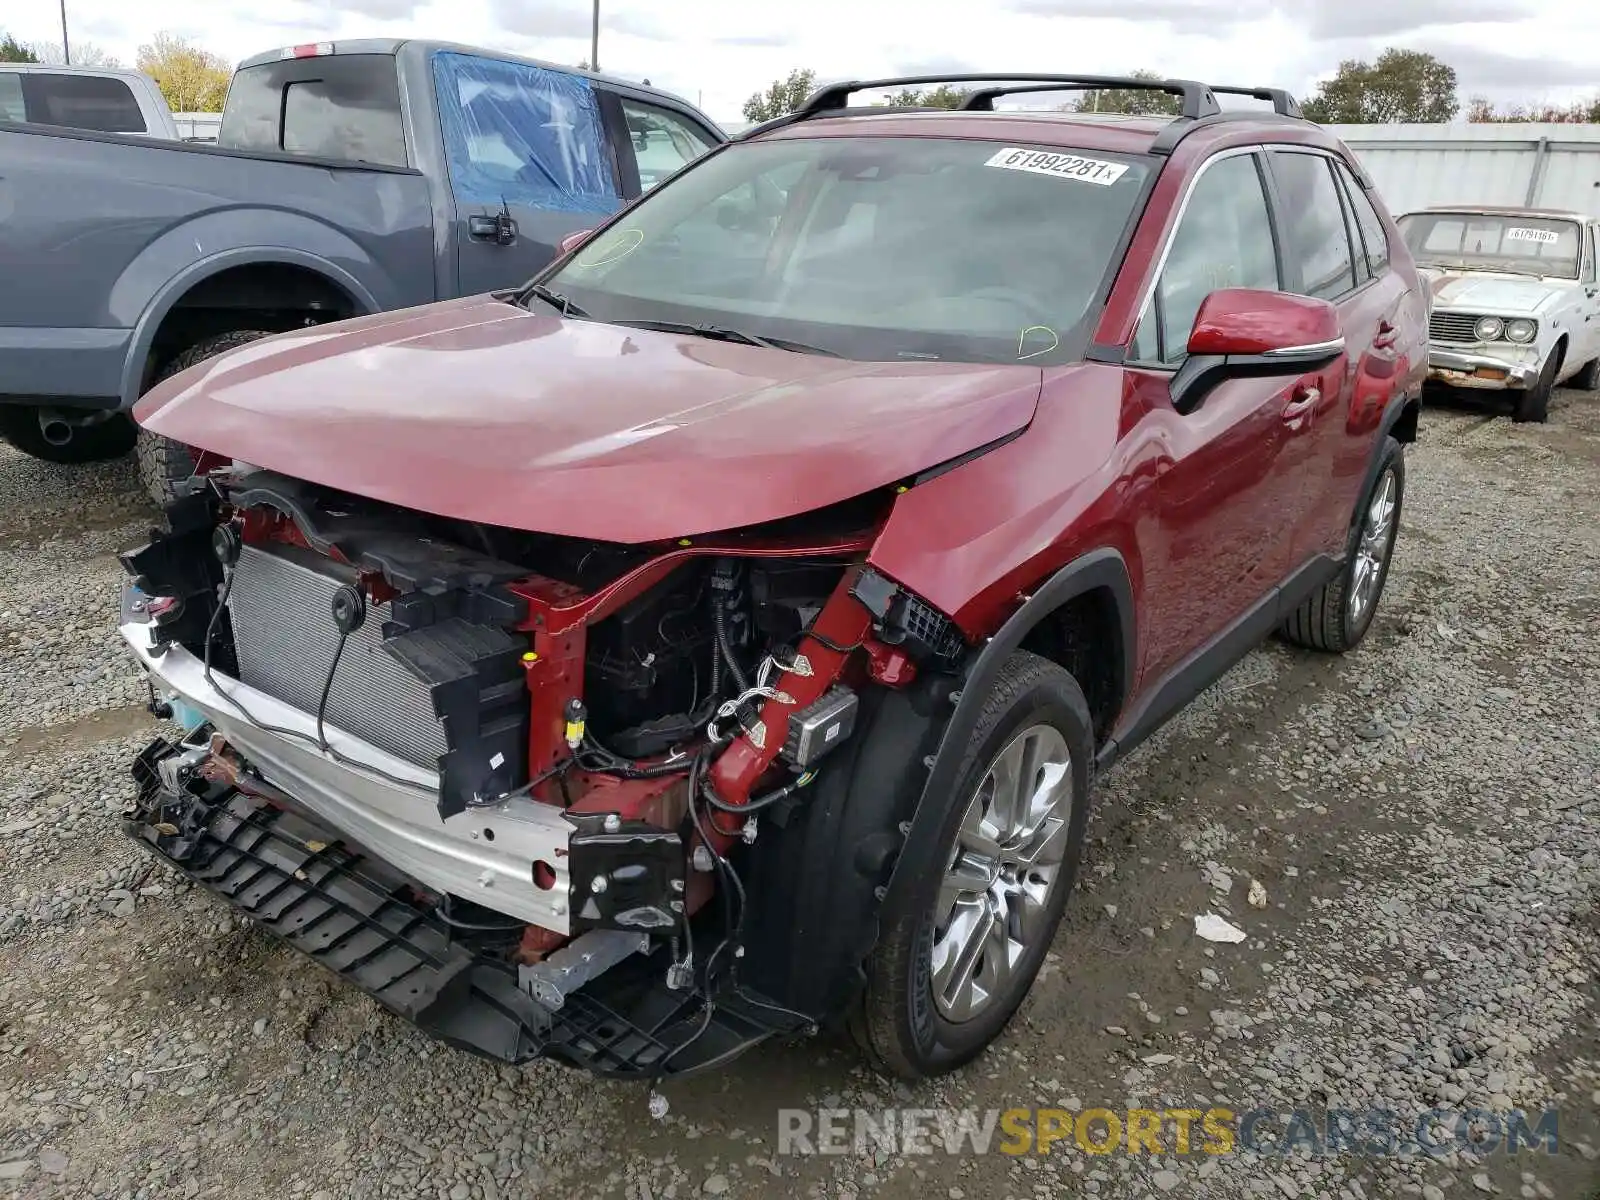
878,249
1522,245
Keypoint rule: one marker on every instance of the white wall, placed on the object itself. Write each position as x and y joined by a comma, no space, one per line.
1549,166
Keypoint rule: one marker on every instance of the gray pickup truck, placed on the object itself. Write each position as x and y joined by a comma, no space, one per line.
347,178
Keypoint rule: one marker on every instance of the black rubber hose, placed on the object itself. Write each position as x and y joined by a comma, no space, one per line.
719,623
327,689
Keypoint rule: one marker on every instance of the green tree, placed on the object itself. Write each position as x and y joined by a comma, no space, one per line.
943,96
12,50
1581,112
1402,85
782,97
191,79
1142,102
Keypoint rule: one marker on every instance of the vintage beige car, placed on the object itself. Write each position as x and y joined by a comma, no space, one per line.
1516,303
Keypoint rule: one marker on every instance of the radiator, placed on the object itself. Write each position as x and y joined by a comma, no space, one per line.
285,638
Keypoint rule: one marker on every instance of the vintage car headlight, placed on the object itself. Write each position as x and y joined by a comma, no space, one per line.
1521,330
1488,328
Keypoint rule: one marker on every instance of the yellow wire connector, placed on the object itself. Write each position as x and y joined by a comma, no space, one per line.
576,721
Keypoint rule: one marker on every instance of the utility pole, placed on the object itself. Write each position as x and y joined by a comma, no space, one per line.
66,49
594,38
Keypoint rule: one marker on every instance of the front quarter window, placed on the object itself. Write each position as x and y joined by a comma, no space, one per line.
878,249
1223,240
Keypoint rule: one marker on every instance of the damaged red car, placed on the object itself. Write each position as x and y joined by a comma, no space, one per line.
718,638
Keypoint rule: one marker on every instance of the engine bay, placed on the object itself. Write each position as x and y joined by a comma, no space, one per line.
649,708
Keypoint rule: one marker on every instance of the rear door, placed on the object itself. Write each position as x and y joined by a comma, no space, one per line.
1337,249
1229,488
529,162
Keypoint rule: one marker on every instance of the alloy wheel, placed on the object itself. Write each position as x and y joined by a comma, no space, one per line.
1372,548
992,903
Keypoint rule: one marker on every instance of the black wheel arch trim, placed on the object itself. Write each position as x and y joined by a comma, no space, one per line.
1391,417
1102,568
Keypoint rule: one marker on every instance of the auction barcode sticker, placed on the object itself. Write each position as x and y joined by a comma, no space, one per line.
1518,233
1062,166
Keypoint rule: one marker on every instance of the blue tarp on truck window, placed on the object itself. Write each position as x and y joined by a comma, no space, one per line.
523,135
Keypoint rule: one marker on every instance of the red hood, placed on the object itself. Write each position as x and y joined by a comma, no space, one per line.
479,410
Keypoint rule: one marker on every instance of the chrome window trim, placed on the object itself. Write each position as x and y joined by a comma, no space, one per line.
1328,347
1183,207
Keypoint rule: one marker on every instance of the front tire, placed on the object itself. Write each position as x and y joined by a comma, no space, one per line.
164,465
949,972
1336,617
1533,405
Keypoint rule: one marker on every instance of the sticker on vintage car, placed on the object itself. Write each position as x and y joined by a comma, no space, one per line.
1519,233
1062,166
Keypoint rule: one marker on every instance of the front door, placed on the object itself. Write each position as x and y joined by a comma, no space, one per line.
1336,248
1229,493
529,163
1588,326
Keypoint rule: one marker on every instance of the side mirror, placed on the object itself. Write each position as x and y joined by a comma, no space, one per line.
1242,332
573,240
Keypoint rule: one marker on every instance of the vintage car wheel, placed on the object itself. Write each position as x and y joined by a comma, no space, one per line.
1534,403
164,463
950,969
1338,614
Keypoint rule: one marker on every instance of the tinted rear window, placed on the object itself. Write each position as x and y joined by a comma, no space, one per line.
96,102
344,106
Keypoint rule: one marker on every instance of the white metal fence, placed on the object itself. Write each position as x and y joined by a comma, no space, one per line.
1548,166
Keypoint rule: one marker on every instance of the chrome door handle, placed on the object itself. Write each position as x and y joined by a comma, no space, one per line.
1305,400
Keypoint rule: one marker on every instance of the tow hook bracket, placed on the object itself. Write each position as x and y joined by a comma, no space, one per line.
625,874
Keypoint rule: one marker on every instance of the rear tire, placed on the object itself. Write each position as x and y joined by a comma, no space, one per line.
916,1017
1588,379
90,440
164,464
1533,405
1336,616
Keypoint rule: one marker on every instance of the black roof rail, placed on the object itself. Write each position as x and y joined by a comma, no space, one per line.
1197,98
1282,102
1198,101
1169,137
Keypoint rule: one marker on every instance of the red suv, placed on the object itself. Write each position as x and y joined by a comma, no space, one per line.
720,636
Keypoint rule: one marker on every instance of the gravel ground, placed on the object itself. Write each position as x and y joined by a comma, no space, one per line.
1422,816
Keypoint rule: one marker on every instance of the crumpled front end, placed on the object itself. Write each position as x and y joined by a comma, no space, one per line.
502,781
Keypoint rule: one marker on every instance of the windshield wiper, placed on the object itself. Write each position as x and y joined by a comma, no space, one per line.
556,300
721,333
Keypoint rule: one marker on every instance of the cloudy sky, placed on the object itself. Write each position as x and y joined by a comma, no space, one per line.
718,52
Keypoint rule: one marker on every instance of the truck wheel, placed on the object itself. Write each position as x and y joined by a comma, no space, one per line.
1338,614
950,969
60,436
164,463
1534,402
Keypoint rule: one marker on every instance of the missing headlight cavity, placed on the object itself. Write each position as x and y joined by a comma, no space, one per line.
658,667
